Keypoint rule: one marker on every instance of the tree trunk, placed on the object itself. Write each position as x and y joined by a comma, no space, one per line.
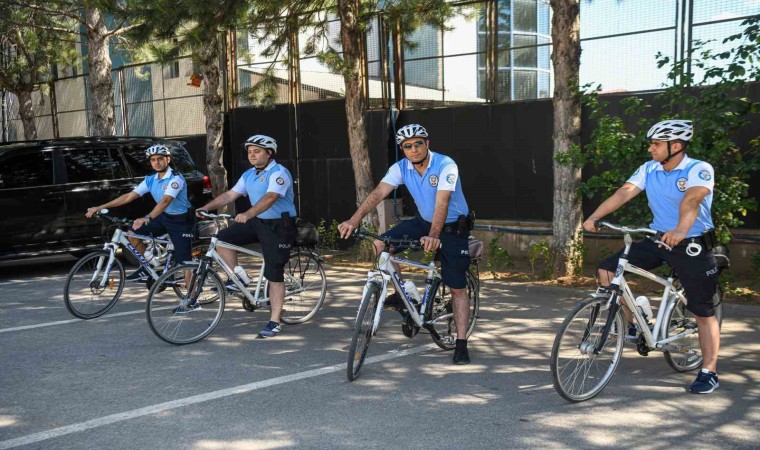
356,103
26,111
208,59
101,85
568,214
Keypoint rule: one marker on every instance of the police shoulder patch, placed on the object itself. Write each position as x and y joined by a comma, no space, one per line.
280,181
451,178
175,185
705,175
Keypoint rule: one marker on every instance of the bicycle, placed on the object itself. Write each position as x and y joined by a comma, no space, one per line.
95,283
192,311
589,344
434,312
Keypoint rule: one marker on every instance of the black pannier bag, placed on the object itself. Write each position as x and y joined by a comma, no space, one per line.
721,257
306,233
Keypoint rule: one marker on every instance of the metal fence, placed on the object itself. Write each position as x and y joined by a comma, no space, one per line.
149,100
492,51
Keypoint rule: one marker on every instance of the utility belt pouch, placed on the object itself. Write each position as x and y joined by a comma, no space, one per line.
710,239
471,220
462,229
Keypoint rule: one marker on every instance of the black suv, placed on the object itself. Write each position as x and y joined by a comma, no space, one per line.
47,186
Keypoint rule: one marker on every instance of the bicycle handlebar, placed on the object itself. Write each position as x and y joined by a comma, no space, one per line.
413,244
208,215
653,234
103,216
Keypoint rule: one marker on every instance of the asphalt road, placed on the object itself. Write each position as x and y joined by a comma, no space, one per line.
110,383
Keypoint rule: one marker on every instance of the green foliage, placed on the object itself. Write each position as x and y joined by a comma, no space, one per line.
718,105
328,235
32,42
578,252
498,256
542,250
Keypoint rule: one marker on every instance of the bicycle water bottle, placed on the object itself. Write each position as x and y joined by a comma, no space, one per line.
642,302
240,272
153,260
411,289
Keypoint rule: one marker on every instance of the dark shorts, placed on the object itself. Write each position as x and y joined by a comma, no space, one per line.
180,232
276,237
455,254
698,274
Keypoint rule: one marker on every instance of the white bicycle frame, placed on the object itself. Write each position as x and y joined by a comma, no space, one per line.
120,238
254,299
386,272
670,295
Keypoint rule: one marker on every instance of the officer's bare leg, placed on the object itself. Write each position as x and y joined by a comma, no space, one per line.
709,341
461,306
276,299
605,277
229,256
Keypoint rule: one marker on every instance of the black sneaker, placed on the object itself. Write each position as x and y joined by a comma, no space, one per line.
705,383
271,330
138,275
393,301
633,331
461,355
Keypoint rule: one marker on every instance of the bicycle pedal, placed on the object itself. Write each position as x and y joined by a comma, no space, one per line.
409,331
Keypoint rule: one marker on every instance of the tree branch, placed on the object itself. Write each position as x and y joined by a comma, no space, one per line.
70,15
122,29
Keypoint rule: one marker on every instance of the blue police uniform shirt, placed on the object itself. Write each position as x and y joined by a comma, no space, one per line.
442,174
274,178
173,185
665,191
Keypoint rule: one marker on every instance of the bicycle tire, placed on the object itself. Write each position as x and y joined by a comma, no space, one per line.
575,380
679,320
440,305
185,319
305,287
362,331
82,296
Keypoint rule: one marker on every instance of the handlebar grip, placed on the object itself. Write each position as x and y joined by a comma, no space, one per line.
598,224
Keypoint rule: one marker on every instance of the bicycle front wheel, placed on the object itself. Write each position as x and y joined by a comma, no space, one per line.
441,312
679,320
305,287
580,373
362,331
191,315
92,288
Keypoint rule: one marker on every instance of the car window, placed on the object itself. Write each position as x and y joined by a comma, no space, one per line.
135,157
27,169
90,165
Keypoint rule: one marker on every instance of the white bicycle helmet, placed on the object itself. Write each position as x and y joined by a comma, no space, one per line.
670,130
410,131
262,141
158,149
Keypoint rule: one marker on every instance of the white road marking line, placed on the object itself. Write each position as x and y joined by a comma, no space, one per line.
214,395
33,280
63,322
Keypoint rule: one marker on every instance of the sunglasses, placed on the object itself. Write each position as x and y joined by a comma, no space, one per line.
417,144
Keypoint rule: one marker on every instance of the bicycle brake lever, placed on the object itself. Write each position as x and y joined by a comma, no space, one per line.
659,242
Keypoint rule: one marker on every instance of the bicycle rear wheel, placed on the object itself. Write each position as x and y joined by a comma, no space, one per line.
441,312
578,373
191,315
362,331
305,287
679,320
91,288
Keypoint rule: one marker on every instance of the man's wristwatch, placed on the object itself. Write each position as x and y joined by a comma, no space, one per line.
148,218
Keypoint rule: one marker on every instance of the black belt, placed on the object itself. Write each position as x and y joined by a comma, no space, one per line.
451,227
269,220
178,216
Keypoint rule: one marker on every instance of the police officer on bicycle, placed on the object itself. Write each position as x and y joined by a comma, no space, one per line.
270,220
172,213
443,220
680,191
